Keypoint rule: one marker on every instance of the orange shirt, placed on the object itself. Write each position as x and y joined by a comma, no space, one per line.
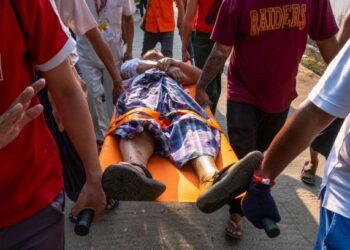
204,9
160,16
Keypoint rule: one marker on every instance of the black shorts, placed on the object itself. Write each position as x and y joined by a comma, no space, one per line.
324,142
73,168
250,128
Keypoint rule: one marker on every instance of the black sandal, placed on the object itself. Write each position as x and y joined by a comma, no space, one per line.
130,182
308,175
229,182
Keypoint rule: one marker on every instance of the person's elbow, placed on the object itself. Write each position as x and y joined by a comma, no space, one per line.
61,81
223,50
320,118
128,19
329,48
94,36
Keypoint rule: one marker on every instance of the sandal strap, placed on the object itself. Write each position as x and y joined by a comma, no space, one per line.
144,169
222,173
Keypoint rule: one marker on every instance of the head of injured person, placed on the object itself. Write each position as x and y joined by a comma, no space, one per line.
153,55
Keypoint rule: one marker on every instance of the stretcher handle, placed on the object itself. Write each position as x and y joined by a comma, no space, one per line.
82,227
271,228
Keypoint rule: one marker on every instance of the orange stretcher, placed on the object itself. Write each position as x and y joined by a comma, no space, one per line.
182,185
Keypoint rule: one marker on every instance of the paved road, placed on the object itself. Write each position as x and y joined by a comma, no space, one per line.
150,225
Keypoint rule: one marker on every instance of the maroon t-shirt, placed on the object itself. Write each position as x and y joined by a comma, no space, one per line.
269,39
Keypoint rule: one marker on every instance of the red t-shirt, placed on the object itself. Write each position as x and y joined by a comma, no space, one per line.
31,173
269,39
206,15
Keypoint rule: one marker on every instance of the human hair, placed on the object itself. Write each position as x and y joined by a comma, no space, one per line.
153,55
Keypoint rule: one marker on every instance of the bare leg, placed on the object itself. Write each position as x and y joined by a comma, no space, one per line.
234,226
128,180
137,150
313,160
205,168
309,169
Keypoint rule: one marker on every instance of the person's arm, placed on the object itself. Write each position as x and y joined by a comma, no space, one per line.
344,32
19,114
213,65
295,136
190,72
144,65
180,14
104,53
329,48
189,18
327,100
74,113
128,29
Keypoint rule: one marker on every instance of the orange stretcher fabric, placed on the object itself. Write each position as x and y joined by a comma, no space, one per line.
182,185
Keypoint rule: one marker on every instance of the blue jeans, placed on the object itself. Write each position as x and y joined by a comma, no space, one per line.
334,231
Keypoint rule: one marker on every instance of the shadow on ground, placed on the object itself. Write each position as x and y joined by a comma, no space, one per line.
152,225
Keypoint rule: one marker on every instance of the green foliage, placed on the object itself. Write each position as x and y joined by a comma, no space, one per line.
313,65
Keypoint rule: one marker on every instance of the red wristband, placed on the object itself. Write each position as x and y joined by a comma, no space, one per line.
259,179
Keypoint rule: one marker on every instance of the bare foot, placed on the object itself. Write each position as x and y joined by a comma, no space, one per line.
234,226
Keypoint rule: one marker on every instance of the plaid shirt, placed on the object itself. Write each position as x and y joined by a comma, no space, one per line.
186,137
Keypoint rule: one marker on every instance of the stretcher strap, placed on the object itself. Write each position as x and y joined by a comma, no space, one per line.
149,114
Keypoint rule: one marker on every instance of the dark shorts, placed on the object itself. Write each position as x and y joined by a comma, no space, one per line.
73,168
44,230
324,142
250,128
166,40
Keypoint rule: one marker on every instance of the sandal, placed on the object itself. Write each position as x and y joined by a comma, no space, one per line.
229,182
307,174
234,226
130,182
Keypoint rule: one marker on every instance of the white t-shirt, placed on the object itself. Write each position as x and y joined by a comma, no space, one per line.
332,94
76,15
112,14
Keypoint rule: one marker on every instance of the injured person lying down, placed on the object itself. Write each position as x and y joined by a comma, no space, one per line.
156,115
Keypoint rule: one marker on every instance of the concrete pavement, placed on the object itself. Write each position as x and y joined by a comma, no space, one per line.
150,225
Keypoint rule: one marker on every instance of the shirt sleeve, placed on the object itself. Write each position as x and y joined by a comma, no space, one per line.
323,25
47,40
129,68
332,92
80,20
129,7
226,27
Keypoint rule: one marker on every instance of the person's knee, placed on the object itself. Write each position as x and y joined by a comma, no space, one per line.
242,140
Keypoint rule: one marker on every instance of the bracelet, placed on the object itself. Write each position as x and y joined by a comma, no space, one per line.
259,179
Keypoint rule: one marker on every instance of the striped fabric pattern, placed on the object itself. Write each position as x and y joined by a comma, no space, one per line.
186,137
